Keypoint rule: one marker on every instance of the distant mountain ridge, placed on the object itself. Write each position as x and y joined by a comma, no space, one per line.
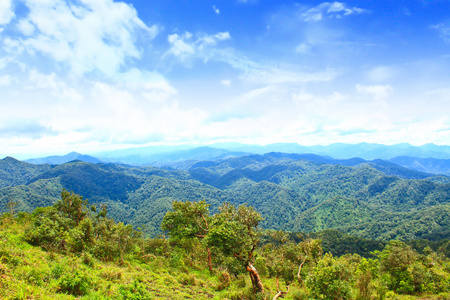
57,160
429,165
366,151
430,158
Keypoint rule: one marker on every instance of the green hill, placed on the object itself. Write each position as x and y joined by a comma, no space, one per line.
290,191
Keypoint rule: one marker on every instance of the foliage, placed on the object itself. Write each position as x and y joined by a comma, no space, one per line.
99,258
70,226
187,219
331,279
233,231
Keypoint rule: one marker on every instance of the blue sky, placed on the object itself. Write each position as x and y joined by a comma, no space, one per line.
93,75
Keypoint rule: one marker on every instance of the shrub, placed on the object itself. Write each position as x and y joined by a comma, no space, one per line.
134,291
74,283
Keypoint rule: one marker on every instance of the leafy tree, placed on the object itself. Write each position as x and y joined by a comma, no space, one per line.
69,226
72,206
395,260
366,273
330,279
286,259
188,220
234,232
113,239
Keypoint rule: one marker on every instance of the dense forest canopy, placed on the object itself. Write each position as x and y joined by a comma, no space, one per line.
376,200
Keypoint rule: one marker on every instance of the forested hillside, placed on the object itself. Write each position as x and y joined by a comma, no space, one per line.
307,193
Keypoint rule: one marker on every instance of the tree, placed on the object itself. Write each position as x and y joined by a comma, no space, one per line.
72,206
188,220
12,206
285,258
366,273
329,280
396,260
234,232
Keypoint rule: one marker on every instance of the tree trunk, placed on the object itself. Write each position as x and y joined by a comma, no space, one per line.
254,276
299,270
280,293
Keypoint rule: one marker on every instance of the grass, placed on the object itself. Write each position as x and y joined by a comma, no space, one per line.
28,272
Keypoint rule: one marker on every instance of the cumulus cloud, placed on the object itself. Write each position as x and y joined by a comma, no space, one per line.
180,45
329,10
90,36
216,10
6,12
187,46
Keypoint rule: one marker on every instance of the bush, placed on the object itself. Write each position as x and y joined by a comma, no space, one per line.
134,291
74,283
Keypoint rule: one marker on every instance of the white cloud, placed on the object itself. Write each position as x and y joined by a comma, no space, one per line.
216,10
26,27
329,10
222,36
150,85
6,12
260,73
378,91
80,110
42,81
187,46
180,46
95,35
12,46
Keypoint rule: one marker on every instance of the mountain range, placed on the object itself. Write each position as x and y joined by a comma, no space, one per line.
428,158
375,199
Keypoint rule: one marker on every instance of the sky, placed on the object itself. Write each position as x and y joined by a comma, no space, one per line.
97,75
